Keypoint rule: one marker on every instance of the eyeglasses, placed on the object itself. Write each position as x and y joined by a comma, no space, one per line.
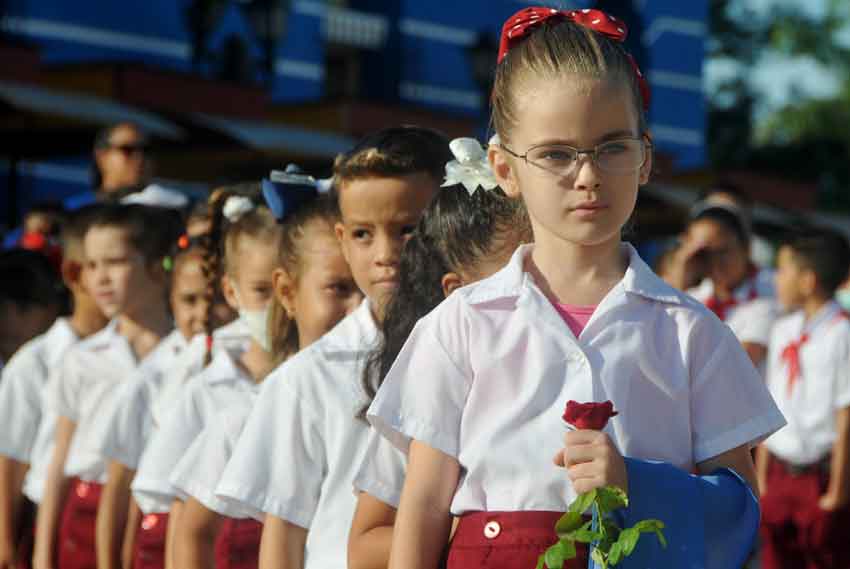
621,156
129,149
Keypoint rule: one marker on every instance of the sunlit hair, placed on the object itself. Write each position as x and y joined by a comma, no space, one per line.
826,253
457,232
283,331
137,221
553,49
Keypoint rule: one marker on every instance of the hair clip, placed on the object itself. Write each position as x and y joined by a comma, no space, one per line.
470,167
287,191
167,263
183,242
235,207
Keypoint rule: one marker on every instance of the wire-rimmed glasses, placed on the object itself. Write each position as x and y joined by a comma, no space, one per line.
621,156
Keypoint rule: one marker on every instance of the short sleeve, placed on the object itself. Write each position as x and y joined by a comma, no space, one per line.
279,463
730,404
199,471
64,389
167,446
425,391
842,369
21,388
127,424
753,321
381,473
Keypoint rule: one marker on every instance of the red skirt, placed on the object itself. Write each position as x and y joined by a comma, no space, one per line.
238,544
795,532
506,540
150,542
75,548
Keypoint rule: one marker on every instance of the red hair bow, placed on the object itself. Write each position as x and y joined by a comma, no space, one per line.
523,22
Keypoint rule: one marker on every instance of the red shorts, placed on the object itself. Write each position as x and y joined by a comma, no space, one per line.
150,542
238,544
506,540
75,548
795,532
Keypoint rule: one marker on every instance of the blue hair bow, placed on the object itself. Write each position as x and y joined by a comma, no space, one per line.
285,192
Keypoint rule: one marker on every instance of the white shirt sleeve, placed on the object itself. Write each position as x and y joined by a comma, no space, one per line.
730,404
381,473
842,372
23,382
753,321
425,391
199,471
279,463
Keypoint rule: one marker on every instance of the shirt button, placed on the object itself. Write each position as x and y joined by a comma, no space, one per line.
492,530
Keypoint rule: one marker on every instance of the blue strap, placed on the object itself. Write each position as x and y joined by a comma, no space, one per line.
711,521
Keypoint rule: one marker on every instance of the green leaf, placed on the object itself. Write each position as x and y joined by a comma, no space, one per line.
583,502
652,526
611,498
599,558
554,556
609,527
628,540
568,523
586,535
541,564
615,554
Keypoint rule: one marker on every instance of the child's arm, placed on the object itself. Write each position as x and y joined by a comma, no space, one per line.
112,512
128,548
371,534
282,544
56,486
12,475
762,462
171,534
424,520
837,494
757,352
738,459
195,537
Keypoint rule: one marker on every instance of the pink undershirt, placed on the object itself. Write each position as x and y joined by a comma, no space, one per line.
576,317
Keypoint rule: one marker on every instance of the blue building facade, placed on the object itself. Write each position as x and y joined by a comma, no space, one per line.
409,52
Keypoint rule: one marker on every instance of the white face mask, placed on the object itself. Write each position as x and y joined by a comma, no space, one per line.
256,321
843,298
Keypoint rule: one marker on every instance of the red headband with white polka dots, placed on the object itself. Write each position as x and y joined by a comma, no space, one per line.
523,22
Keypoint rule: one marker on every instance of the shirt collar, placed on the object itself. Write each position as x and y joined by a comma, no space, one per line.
510,280
825,315
356,332
58,338
223,368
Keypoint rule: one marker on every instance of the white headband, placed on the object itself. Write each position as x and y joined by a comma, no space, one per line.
470,166
235,207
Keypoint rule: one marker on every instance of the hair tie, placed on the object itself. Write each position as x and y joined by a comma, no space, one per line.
235,207
520,25
285,192
470,166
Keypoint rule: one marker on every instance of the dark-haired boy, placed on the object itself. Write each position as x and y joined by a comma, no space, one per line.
125,275
803,468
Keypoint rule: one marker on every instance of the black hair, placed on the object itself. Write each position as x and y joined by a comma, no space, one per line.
28,279
457,230
102,140
826,253
397,151
150,230
726,219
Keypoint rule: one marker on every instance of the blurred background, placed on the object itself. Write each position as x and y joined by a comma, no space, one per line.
749,93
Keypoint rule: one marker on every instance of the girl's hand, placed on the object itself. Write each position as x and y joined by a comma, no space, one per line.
592,461
829,503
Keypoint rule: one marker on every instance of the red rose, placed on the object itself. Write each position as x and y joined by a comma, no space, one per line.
592,416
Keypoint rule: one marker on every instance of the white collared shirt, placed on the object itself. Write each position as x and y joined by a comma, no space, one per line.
821,389
91,371
382,470
127,420
28,427
298,453
199,471
207,394
752,318
485,377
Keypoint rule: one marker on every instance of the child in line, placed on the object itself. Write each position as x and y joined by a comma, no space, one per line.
477,393
313,290
297,455
247,237
803,469
23,452
126,278
461,239
127,416
716,248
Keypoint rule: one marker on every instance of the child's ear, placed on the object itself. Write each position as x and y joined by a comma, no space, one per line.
229,292
451,281
72,273
646,169
504,171
284,291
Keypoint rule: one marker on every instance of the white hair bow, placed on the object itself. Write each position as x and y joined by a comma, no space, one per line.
235,207
470,166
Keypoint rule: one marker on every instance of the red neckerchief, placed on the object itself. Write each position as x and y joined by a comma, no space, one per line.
721,307
791,352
